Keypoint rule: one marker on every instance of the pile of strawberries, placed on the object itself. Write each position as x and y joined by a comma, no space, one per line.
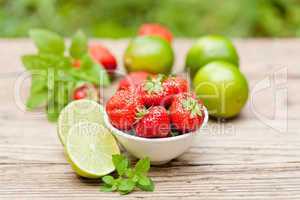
154,106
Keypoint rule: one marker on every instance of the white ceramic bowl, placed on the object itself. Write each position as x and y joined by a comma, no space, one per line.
159,150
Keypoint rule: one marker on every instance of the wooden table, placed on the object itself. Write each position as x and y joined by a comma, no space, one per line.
255,156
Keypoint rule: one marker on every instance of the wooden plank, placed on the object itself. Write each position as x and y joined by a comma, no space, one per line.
266,181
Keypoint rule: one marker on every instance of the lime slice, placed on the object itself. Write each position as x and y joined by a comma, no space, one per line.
90,147
77,112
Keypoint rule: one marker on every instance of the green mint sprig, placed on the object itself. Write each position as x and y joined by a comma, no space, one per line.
53,75
128,178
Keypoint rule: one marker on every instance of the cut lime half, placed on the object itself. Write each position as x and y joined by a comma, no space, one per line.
77,112
90,147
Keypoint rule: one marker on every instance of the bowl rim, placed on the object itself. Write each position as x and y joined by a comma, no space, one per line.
120,133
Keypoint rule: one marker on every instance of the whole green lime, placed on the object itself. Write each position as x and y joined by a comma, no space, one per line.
149,53
208,49
222,87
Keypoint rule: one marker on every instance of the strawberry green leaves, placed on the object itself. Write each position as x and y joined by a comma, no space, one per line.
154,85
53,75
193,106
141,112
129,178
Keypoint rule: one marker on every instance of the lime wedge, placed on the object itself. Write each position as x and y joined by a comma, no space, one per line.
90,147
77,112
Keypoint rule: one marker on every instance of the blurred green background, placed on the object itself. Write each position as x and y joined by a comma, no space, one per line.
121,18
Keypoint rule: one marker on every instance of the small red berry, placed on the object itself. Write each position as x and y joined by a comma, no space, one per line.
153,123
104,57
152,92
133,79
79,94
122,109
186,113
174,85
157,30
86,91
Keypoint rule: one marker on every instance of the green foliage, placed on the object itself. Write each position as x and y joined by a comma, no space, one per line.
47,42
78,45
121,18
128,178
53,76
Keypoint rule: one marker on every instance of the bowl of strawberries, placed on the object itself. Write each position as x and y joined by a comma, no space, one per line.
155,116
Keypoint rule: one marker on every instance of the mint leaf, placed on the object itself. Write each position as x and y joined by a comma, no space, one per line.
109,180
126,185
45,61
37,99
52,116
128,178
121,163
129,173
38,81
142,166
91,72
32,62
86,62
145,183
61,94
108,188
53,110
47,41
103,77
135,178
144,180
79,45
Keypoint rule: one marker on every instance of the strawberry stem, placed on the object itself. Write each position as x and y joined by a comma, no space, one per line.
154,85
192,105
141,112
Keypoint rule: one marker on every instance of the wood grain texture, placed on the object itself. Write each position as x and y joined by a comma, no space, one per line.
243,158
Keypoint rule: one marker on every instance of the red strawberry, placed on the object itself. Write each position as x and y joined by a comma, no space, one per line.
174,85
86,91
133,80
122,109
152,91
156,29
154,122
104,57
186,113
